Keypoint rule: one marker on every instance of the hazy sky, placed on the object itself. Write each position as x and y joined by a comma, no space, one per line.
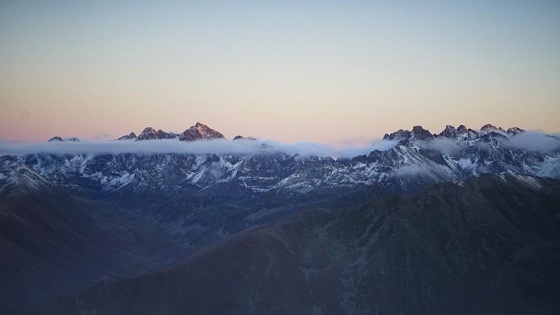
321,71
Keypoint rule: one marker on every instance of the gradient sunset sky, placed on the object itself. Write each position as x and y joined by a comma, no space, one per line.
323,71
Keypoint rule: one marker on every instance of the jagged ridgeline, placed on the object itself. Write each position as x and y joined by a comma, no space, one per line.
197,132
460,221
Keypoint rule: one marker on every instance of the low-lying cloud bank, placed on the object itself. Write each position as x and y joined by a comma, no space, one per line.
535,141
196,147
530,141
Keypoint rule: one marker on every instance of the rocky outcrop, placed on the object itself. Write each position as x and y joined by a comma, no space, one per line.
200,132
150,133
130,136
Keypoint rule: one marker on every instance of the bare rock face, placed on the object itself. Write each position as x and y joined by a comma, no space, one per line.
150,133
397,135
462,129
514,130
460,132
200,132
405,136
130,136
243,138
55,139
486,133
491,128
196,132
421,134
59,139
449,132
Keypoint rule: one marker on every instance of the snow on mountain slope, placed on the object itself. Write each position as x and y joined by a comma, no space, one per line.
418,154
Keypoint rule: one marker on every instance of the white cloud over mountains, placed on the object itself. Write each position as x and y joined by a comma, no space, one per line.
530,140
219,146
535,141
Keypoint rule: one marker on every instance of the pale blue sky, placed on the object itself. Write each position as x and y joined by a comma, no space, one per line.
319,71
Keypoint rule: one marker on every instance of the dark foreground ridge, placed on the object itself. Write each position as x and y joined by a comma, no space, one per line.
487,245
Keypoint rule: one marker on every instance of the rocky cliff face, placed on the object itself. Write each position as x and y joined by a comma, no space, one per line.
197,132
150,133
130,136
59,139
200,132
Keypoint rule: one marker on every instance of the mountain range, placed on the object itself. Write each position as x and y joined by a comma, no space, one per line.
464,221
197,132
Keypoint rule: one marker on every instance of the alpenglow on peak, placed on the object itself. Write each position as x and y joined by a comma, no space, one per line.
197,132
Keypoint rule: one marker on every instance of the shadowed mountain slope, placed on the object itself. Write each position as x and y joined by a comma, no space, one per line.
53,243
488,245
